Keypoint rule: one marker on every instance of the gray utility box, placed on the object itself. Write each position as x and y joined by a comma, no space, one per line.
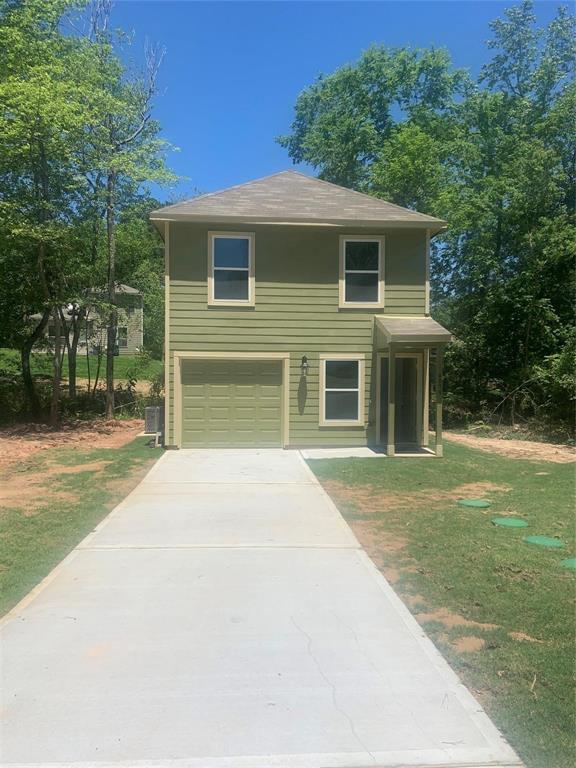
154,421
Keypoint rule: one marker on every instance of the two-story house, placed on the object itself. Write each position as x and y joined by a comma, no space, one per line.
297,315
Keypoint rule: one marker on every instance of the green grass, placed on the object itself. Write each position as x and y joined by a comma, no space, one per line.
454,558
124,366
35,537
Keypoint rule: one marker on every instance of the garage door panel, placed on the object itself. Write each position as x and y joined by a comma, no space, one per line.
231,403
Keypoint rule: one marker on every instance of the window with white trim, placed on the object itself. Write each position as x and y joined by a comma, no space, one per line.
361,281
342,391
231,268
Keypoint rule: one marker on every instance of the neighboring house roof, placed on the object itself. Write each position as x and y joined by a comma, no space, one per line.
293,197
121,288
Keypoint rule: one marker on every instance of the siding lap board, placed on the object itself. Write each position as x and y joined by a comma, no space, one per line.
296,311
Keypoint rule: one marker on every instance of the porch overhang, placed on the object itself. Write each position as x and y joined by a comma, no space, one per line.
421,331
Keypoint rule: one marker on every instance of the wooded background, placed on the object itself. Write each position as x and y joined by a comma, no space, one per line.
494,155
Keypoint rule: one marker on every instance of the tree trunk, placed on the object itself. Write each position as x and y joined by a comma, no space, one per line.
56,379
25,353
112,317
77,320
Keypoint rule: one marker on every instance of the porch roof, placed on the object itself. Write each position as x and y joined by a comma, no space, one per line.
393,330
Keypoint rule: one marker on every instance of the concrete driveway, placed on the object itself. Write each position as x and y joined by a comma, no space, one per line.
224,616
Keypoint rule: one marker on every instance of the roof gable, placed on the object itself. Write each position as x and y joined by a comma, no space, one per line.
293,197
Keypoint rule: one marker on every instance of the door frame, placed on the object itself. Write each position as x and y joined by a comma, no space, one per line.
283,357
419,356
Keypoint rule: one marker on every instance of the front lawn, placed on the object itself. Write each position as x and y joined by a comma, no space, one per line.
50,501
501,610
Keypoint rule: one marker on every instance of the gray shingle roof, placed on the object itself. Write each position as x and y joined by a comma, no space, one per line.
291,196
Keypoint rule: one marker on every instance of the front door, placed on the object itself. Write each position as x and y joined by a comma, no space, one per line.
408,397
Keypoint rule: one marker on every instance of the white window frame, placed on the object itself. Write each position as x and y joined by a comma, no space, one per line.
343,304
250,301
359,421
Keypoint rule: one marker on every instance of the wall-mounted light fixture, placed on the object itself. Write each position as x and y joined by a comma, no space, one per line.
304,365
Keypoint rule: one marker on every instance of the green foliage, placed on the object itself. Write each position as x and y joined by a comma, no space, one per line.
140,257
73,117
495,158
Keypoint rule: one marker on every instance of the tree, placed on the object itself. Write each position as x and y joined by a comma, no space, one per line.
496,158
126,148
77,140
46,100
347,123
141,264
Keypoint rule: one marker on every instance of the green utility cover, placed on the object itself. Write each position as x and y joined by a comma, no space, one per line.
510,522
570,562
482,503
544,541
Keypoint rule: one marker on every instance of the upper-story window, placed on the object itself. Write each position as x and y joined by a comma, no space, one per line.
361,271
231,268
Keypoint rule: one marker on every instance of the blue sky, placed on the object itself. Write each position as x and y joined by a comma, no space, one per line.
233,70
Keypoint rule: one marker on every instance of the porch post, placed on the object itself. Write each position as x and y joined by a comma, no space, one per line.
391,448
439,396
426,398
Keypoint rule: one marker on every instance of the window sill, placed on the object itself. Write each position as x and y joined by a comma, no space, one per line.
342,423
376,305
224,303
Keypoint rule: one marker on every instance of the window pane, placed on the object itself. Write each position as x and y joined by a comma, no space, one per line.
122,336
341,405
231,252
361,287
230,285
341,374
361,255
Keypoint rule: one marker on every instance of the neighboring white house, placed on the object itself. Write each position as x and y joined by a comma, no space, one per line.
130,334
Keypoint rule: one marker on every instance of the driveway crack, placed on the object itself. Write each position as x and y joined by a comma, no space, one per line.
327,680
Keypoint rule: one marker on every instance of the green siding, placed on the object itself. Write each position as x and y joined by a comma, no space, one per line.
297,271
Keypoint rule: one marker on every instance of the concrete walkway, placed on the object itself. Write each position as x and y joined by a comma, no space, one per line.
224,616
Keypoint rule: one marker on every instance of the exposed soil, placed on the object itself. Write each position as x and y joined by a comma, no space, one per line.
451,620
523,637
23,487
91,466
368,501
21,443
29,495
517,449
468,644
142,386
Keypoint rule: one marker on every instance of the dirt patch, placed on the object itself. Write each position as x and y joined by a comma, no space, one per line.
450,620
468,644
369,502
523,637
26,489
29,496
517,449
376,540
92,466
18,444
413,600
142,386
